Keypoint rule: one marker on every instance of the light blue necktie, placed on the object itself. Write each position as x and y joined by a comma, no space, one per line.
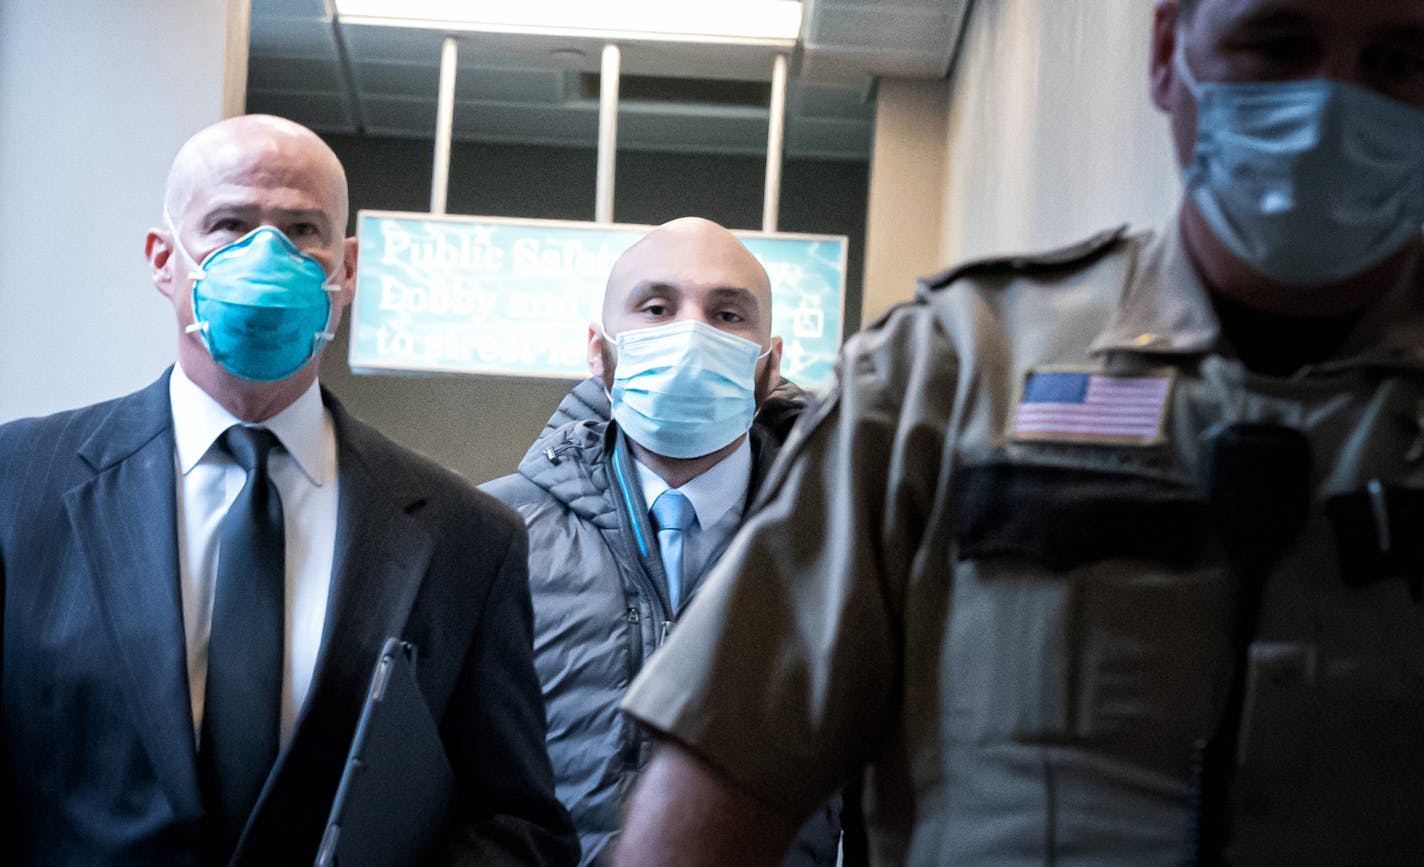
673,514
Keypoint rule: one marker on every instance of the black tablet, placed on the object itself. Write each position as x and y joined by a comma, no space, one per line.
396,789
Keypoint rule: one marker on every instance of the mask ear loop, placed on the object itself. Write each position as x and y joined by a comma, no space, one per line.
603,335
1183,71
328,332
195,274
1194,170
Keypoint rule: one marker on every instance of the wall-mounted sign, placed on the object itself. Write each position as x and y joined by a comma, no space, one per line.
490,295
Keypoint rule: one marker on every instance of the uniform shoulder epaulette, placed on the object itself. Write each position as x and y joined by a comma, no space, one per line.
1079,253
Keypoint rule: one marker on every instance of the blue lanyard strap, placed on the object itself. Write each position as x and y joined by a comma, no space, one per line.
627,498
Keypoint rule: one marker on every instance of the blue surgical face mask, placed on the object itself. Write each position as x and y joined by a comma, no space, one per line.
261,305
684,390
1308,182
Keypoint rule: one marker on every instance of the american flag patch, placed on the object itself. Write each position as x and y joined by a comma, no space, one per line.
1092,408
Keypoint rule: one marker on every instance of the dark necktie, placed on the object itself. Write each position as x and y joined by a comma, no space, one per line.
243,703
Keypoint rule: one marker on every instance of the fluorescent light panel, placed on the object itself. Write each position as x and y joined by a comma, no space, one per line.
732,22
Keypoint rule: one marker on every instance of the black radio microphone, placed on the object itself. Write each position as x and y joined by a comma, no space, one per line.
1257,484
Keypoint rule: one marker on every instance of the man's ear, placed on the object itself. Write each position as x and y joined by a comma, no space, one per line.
348,265
595,352
158,249
769,377
1164,45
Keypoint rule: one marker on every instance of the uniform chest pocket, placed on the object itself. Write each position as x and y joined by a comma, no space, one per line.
1062,518
1083,610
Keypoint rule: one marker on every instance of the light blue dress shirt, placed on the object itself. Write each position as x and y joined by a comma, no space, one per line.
718,496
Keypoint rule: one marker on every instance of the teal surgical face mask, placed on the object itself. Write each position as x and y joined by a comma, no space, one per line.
261,305
686,389
1308,182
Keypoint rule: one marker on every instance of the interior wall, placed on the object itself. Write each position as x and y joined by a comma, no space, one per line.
95,98
1052,136
480,426
908,165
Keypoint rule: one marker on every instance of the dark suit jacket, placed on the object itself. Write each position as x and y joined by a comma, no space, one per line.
96,737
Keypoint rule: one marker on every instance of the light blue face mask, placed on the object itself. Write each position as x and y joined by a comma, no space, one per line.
261,305
684,390
1308,182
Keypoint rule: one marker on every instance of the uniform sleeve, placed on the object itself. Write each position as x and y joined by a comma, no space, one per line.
785,673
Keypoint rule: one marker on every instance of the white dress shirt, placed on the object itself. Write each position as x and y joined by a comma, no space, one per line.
304,470
718,497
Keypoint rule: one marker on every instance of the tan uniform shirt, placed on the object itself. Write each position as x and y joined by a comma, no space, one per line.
1022,630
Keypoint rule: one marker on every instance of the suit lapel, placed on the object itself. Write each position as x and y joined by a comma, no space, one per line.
123,524
382,552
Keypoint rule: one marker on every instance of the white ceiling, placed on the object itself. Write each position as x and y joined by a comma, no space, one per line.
306,64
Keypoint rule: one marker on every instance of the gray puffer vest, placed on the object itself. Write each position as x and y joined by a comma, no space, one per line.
600,600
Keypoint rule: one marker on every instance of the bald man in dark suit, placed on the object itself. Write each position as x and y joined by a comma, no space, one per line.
137,727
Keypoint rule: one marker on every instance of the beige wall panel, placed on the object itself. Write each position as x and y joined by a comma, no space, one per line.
1051,133
95,98
905,206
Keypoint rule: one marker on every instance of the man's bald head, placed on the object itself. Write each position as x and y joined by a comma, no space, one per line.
688,271
230,180
254,139
690,259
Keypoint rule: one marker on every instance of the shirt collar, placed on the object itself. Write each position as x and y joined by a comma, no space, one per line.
198,420
1165,307
1166,310
713,493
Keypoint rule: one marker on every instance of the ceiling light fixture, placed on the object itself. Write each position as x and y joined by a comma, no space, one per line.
726,22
